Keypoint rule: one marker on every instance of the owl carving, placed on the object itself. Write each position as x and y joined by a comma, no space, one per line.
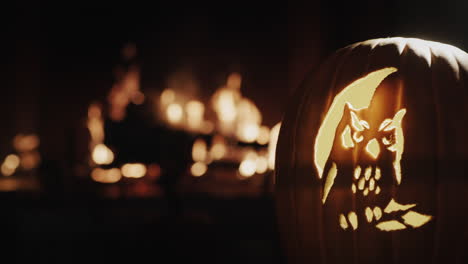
359,146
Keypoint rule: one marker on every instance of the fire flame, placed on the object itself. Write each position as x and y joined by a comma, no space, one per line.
133,170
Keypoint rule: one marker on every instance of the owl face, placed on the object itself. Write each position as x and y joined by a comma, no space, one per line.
369,139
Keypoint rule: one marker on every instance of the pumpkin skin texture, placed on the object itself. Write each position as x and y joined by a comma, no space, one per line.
396,108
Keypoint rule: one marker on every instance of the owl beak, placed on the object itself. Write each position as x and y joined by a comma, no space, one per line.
373,148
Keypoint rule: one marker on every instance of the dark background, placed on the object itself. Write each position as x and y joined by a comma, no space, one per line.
57,58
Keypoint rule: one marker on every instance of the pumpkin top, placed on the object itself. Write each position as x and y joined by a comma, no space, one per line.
455,57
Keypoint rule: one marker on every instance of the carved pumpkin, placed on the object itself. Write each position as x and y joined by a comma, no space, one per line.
371,163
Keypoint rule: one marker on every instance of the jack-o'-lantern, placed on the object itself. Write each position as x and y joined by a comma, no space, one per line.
371,163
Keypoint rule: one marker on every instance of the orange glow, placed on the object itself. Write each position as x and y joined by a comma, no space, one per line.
194,111
262,165
138,98
123,92
95,123
248,121
198,169
218,148
154,171
248,132
272,145
167,97
23,143
199,150
102,154
133,170
106,175
174,113
248,166
224,103
30,160
234,81
263,135
10,164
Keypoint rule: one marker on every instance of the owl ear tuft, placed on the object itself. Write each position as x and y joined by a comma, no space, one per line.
356,123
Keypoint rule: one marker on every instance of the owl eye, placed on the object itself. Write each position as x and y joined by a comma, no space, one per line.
388,140
358,138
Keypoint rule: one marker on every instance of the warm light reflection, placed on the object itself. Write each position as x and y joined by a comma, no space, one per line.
218,148
125,91
95,123
234,81
154,171
194,111
106,175
263,135
102,154
248,166
198,169
174,113
133,170
199,150
272,145
30,160
138,98
10,164
248,121
167,97
23,143
248,132
224,102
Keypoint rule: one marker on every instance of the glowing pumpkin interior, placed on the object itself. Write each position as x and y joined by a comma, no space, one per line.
372,156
